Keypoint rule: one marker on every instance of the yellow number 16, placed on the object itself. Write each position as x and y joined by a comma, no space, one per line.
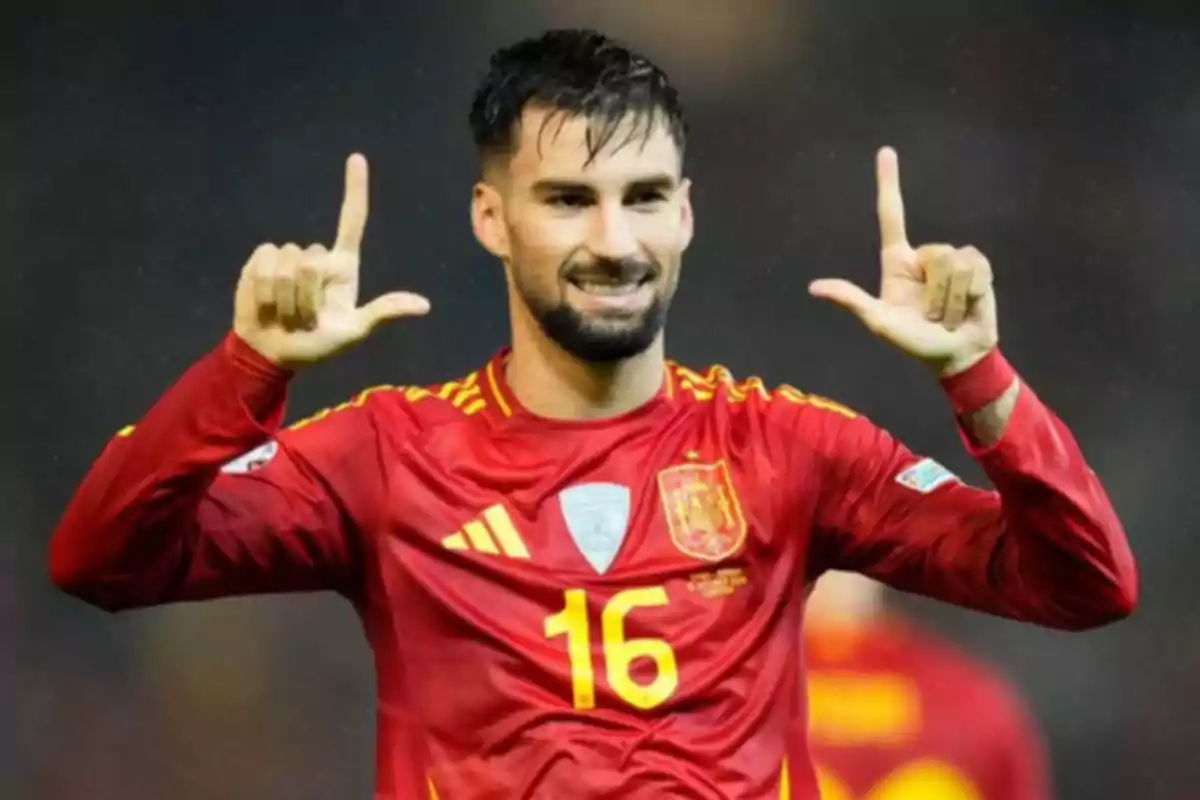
619,652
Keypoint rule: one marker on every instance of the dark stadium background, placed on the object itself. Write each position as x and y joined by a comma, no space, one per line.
146,153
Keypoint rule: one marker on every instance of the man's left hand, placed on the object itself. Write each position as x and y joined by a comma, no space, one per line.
935,301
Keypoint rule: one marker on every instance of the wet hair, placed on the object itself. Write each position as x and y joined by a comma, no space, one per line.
574,73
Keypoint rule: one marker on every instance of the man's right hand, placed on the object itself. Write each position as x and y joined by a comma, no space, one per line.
300,306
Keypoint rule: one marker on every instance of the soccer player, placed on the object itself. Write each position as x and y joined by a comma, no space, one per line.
896,713
581,568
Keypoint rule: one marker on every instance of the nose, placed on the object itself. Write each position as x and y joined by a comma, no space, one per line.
611,235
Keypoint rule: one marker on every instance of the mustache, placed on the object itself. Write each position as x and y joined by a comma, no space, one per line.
621,270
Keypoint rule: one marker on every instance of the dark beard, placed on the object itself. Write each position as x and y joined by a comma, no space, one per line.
594,343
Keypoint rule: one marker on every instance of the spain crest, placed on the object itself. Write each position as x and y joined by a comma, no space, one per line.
702,510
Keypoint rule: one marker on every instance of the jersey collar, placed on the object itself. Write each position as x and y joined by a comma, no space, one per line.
505,405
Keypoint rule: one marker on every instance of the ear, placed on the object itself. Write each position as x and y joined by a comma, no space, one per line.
487,219
688,226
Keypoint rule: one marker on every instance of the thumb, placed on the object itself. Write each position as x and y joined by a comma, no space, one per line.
857,301
388,307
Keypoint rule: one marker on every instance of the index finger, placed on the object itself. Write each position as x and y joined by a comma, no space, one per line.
890,202
353,218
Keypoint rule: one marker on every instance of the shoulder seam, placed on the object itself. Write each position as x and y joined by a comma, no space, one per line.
463,394
706,386
795,396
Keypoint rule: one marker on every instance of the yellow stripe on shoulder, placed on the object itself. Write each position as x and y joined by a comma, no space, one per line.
463,395
126,432
357,401
717,380
791,394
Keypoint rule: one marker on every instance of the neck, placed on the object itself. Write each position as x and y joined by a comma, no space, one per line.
554,384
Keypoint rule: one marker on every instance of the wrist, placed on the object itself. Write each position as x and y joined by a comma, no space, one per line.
953,365
973,385
247,359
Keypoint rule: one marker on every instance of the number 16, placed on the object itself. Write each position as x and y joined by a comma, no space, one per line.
619,652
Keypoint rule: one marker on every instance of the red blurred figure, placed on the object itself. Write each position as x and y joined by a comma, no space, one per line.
896,713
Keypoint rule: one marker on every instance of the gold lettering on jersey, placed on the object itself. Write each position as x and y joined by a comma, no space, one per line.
703,513
721,583
848,709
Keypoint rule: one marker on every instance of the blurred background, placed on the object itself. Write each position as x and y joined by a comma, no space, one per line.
146,153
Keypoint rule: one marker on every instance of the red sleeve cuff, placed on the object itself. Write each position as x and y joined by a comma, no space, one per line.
979,384
260,386
249,360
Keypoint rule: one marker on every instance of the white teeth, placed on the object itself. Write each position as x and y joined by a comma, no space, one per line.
611,289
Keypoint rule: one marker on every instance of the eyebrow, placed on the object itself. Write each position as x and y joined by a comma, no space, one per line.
662,181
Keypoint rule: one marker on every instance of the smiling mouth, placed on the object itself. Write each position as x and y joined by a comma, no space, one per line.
609,287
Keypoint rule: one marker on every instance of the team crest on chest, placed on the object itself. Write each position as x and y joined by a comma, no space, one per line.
702,509
597,517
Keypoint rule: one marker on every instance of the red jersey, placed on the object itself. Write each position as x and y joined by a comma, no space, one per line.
895,714
582,609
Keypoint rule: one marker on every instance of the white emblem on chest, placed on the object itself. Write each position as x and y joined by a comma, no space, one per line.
597,517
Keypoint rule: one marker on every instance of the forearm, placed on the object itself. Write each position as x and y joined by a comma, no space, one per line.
987,425
1061,553
1045,547
129,525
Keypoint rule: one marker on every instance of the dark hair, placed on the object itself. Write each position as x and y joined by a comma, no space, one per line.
578,73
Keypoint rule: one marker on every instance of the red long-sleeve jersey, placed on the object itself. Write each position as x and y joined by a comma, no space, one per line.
898,714
598,609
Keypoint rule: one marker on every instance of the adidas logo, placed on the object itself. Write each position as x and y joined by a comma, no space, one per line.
493,534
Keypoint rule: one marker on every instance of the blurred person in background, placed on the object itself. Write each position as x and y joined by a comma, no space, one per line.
900,713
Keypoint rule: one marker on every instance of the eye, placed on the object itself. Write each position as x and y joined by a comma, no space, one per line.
568,200
646,197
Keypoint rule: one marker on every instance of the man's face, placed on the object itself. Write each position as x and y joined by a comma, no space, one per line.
593,248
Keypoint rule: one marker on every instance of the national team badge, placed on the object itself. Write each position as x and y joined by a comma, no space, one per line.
597,517
702,510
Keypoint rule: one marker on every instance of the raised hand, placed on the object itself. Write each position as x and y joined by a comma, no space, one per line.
300,306
935,302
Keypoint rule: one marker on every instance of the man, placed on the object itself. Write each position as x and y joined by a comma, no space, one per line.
581,568
895,713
